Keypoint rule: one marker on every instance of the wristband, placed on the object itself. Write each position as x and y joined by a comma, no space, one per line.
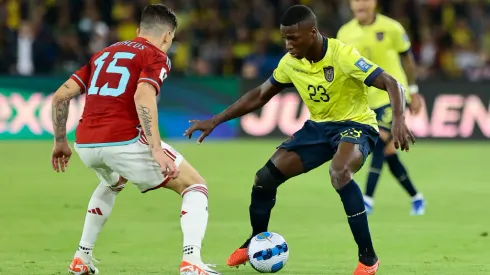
413,89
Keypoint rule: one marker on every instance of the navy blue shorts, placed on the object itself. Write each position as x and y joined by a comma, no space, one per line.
384,117
317,142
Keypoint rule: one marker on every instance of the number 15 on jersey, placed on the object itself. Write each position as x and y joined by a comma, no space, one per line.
113,68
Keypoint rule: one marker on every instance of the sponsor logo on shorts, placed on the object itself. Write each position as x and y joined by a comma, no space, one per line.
351,133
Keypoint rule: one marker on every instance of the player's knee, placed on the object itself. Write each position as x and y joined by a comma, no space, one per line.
269,177
186,180
193,180
119,186
340,175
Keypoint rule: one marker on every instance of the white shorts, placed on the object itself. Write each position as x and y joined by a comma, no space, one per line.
133,162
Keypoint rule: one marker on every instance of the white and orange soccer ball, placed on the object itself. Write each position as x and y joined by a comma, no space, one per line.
268,252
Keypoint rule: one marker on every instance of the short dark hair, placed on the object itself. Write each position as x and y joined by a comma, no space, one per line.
297,14
158,14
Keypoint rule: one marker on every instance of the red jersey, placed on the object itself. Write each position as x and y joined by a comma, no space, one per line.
109,81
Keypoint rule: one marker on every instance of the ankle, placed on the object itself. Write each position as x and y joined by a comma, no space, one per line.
368,260
85,250
246,243
192,252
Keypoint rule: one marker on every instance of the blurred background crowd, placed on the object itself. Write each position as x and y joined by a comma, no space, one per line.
450,38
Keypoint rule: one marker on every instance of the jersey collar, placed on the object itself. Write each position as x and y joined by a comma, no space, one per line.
146,42
325,47
324,52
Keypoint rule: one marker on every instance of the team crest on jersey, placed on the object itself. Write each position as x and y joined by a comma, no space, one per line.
329,75
380,36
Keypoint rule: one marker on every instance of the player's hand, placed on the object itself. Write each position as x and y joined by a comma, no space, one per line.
60,156
402,136
205,126
167,165
416,104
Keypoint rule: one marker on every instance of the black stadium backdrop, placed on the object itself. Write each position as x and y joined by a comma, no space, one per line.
454,110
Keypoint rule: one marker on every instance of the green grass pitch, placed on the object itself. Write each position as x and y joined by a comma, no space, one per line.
42,213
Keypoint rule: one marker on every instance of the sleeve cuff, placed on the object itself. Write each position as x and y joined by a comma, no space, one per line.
152,82
78,80
274,82
369,80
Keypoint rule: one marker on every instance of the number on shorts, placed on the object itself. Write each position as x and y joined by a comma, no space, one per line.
111,68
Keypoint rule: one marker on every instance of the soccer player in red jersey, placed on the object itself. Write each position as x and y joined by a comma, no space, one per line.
118,136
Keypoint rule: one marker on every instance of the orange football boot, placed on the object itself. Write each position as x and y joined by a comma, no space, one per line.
238,257
366,270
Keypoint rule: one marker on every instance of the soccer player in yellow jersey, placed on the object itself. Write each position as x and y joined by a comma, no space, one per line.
385,42
332,79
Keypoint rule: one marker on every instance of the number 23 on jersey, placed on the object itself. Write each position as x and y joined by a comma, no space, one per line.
318,93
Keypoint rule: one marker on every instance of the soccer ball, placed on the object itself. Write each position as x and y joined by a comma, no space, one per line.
268,252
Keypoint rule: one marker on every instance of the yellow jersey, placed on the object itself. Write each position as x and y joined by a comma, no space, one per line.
382,42
334,88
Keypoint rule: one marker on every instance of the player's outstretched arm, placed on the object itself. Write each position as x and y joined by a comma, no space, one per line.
400,131
59,114
251,101
146,106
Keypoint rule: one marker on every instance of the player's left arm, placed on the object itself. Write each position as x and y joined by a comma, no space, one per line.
353,64
75,85
60,107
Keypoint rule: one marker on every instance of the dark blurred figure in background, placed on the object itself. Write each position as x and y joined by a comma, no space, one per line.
231,37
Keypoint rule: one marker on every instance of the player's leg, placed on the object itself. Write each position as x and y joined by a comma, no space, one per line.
345,163
296,156
400,173
377,160
194,212
135,163
282,166
99,209
353,146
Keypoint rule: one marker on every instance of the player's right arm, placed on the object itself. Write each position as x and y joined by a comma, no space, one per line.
59,113
257,97
249,102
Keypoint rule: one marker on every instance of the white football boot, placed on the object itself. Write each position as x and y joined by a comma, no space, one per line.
197,267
